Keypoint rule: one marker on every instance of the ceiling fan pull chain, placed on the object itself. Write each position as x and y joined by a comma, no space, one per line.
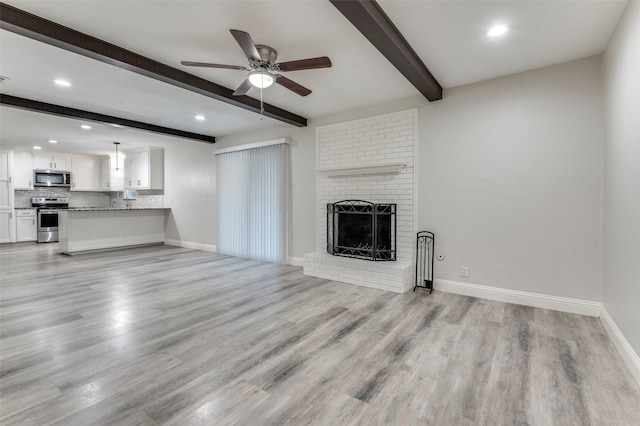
261,105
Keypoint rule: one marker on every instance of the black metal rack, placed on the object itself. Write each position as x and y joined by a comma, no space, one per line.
425,247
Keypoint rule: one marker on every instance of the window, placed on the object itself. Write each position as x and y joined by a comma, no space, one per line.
252,202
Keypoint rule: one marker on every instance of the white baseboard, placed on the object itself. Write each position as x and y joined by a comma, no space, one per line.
295,261
629,356
191,245
564,304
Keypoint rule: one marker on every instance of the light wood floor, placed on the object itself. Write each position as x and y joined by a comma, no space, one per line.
166,335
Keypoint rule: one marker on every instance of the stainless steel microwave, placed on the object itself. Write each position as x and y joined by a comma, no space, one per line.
51,178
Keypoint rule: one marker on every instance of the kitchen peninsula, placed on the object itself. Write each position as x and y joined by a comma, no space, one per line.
85,229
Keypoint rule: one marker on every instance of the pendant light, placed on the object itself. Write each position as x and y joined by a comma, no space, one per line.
116,144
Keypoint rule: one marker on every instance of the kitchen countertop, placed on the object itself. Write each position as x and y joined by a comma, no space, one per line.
108,209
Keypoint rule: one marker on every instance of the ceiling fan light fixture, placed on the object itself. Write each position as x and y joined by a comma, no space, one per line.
261,79
497,30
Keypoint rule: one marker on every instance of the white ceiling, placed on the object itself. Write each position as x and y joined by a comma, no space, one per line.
449,36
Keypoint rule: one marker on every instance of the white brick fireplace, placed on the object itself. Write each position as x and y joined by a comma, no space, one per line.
371,159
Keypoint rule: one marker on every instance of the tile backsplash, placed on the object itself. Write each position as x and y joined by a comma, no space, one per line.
146,198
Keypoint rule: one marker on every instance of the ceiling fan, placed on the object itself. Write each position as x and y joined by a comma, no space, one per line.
263,71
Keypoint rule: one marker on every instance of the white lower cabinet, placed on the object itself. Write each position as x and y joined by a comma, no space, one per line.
6,226
26,229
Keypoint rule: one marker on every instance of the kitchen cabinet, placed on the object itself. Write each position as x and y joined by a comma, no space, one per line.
6,198
22,170
145,169
52,160
6,187
85,173
110,178
26,229
6,226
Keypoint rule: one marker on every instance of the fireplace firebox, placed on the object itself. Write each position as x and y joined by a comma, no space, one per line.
361,229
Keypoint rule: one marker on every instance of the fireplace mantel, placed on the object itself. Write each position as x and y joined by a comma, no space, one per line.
378,169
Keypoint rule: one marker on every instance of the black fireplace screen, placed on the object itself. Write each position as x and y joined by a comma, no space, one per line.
361,229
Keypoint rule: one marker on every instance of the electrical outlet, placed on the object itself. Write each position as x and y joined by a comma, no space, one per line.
464,272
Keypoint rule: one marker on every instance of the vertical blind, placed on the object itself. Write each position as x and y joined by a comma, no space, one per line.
252,203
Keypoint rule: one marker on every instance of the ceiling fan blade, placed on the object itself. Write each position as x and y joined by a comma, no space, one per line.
292,85
209,65
243,88
247,44
305,64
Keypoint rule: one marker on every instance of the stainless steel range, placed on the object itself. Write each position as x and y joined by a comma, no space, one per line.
48,216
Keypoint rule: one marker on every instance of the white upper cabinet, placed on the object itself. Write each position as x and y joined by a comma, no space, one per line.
144,169
23,170
85,173
53,161
110,178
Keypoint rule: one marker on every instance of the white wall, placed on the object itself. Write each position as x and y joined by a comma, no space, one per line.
622,177
510,180
189,189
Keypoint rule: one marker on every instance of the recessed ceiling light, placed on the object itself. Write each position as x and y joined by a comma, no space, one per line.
497,30
37,147
200,117
86,126
52,141
64,83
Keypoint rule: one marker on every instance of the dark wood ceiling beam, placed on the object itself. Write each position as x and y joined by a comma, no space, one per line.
61,111
369,18
37,28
